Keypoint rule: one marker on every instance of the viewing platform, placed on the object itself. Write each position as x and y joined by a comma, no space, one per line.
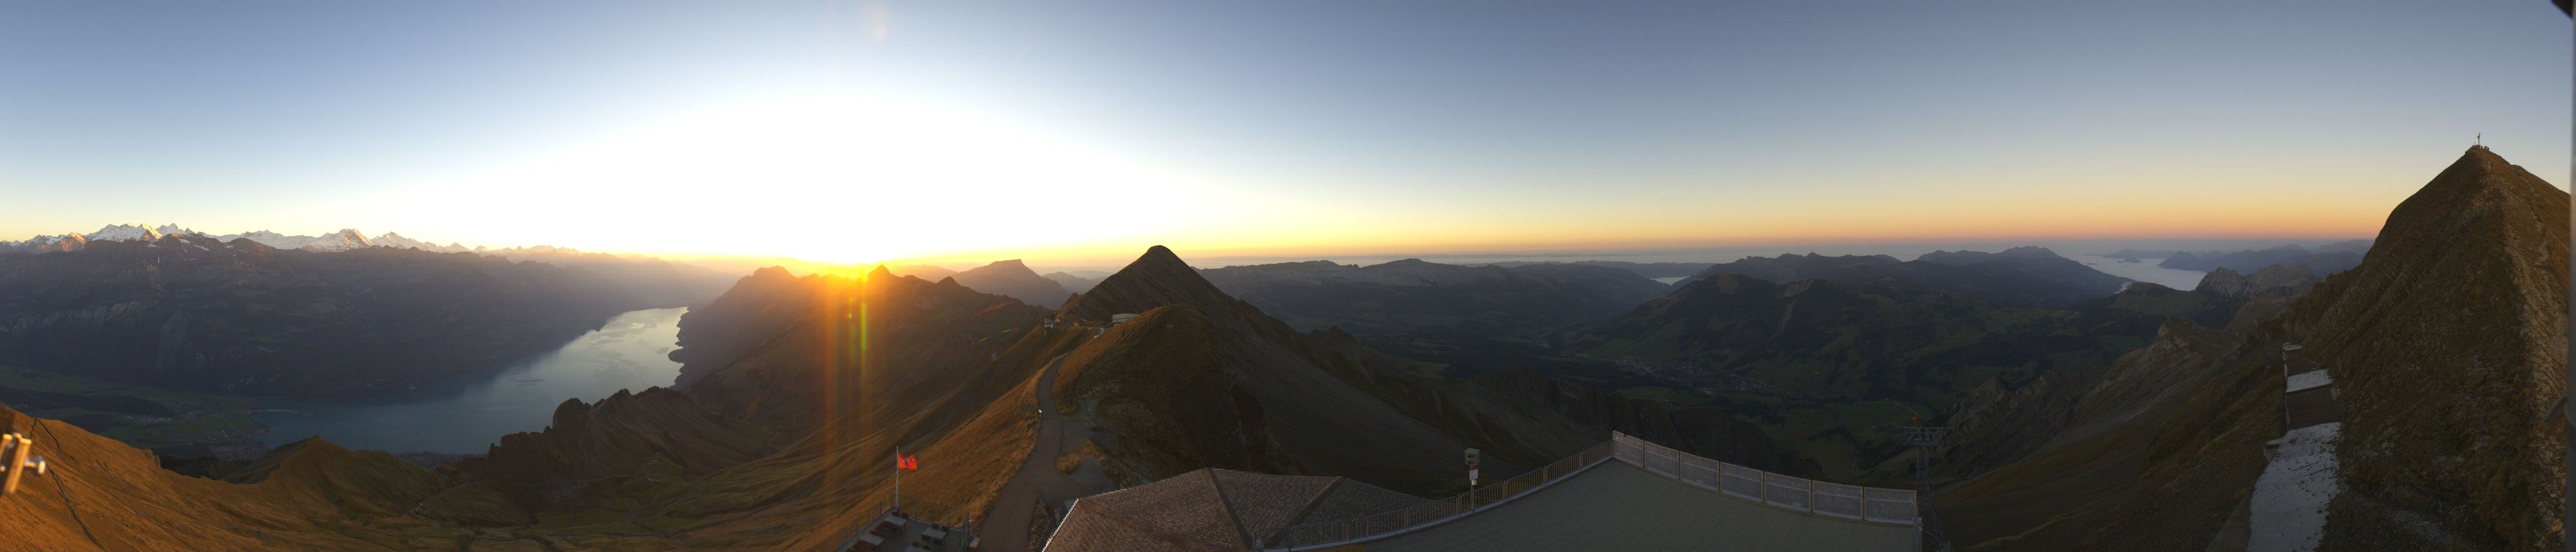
1625,494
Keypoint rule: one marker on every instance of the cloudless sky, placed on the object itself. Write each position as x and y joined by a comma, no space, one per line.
1083,131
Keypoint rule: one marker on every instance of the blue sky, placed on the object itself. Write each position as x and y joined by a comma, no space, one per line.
1274,127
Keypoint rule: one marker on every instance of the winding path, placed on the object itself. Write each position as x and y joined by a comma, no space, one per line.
1006,528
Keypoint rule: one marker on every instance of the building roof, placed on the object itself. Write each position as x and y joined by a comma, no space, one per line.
1616,506
1625,494
1212,509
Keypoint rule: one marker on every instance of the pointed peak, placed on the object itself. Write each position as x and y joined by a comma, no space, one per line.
1156,278
1156,258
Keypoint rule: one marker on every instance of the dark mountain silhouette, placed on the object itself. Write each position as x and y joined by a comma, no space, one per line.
1332,405
1882,339
2250,260
1072,283
756,309
659,282
1645,270
1413,296
1973,257
1015,280
190,312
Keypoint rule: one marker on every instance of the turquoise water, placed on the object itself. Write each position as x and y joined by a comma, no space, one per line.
465,414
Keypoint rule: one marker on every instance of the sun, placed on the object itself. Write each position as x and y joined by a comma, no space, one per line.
842,178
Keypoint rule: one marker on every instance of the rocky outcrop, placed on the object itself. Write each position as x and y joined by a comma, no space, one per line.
1013,279
2271,280
624,436
2447,345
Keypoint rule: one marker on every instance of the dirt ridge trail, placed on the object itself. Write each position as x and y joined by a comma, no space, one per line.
1005,529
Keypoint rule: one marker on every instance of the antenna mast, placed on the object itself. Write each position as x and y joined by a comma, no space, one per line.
1923,439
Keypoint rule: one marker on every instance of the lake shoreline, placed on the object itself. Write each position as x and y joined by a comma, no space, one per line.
464,414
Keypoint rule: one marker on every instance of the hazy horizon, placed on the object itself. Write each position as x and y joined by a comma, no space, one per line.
851,132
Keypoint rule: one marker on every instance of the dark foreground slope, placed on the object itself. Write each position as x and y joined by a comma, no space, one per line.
241,318
311,495
1333,406
2443,344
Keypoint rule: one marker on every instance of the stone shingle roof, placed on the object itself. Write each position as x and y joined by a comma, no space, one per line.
1213,510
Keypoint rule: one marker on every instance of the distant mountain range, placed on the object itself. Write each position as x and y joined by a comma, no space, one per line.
658,281
1014,279
343,240
2324,259
187,311
1647,270
2017,277
1414,296
2135,420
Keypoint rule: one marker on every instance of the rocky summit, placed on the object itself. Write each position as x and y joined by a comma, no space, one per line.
2455,319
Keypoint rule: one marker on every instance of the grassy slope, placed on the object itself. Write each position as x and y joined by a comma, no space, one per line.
317,496
199,415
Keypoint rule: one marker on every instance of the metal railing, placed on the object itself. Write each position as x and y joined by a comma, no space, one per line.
1328,533
1848,502
1851,502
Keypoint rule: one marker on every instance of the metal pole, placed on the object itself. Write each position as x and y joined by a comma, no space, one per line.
2568,425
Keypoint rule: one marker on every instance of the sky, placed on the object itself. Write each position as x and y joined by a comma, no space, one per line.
1081,132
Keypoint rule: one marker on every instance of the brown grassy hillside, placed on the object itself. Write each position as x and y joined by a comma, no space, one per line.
2447,345
312,495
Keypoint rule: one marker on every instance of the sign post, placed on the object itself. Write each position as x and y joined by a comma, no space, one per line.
1474,457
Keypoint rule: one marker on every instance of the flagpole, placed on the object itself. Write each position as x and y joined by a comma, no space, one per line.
898,479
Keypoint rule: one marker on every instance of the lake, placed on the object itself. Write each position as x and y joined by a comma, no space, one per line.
466,414
2145,270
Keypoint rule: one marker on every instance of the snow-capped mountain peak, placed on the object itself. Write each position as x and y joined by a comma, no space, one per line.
343,240
124,232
